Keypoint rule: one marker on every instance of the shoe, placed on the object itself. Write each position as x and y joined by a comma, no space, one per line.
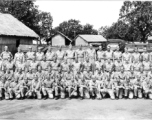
56,98
93,98
69,98
81,98
45,98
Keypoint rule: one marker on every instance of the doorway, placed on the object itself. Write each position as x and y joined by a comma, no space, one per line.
17,43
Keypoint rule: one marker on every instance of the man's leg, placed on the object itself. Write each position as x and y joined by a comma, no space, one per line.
44,92
120,93
86,93
111,93
81,90
135,92
131,94
11,93
62,91
126,90
117,93
50,92
1,93
39,95
139,91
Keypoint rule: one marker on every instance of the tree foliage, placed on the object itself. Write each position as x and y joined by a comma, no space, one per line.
28,13
72,28
138,14
134,23
118,30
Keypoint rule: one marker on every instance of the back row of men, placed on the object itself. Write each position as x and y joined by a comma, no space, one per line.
75,58
83,73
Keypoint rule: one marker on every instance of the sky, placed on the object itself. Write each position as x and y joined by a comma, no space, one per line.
96,13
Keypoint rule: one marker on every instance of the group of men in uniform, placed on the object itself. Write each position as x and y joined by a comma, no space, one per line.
77,73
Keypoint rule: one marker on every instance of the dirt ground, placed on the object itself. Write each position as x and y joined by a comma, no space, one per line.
76,109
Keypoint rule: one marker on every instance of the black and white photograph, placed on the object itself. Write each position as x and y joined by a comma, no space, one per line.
75,60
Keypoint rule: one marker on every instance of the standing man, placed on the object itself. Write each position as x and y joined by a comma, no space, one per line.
126,56
6,54
19,56
80,55
39,55
30,55
70,54
109,54
91,54
136,55
60,54
117,55
100,54
50,55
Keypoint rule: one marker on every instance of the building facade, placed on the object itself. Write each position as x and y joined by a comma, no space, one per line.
14,33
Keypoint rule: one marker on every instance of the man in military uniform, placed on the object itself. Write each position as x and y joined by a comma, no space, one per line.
39,55
19,56
29,55
60,54
36,87
72,88
83,89
93,86
6,54
80,55
50,55
47,87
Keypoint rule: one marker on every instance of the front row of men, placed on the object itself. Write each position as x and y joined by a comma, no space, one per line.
84,84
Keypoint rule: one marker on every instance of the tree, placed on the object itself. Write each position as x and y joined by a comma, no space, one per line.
28,13
45,25
118,30
138,15
70,28
88,29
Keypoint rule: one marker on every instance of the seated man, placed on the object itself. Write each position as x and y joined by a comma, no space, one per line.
93,86
128,89
14,88
137,88
2,87
23,88
108,88
59,87
118,88
36,87
47,87
83,89
146,88
72,88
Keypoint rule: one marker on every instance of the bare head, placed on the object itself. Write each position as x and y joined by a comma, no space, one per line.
126,49
122,69
19,49
90,46
117,48
49,49
108,48
39,68
39,49
80,47
6,48
100,48
30,49
60,48
70,47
